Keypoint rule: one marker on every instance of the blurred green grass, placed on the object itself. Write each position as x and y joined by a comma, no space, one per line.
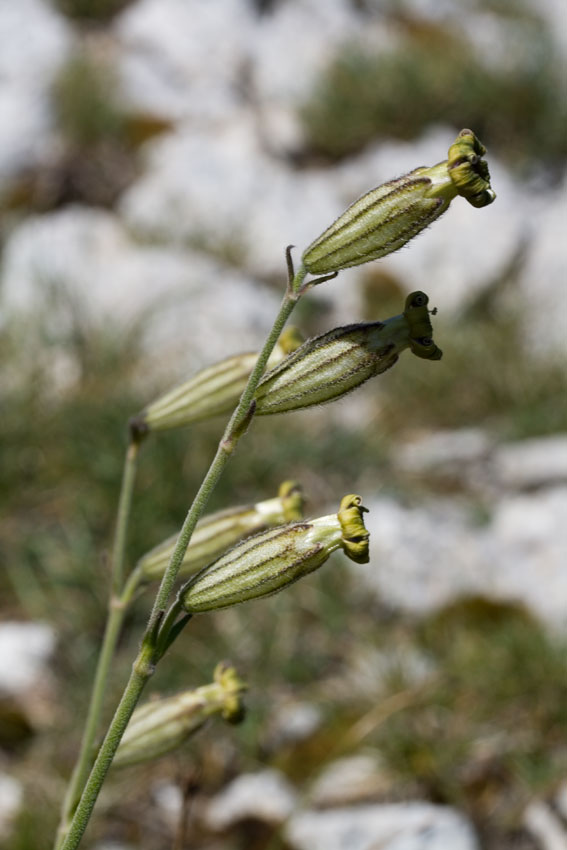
92,11
484,731
433,76
497,677
99,138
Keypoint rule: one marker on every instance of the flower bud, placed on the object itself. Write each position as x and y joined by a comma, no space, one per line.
335,363
269,561
162,725
386,218
217,532
212,391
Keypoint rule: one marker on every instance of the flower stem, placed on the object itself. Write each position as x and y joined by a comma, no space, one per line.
225,448
144,665
141,672
117,606
123,515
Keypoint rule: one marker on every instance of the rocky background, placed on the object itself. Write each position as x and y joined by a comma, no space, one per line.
156,156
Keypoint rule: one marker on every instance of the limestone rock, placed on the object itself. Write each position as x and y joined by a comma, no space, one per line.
25,649
400,826
264,796
35,40
81,264
425,557
11,801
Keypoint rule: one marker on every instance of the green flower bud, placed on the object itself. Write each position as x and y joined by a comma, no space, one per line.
386,218
211,392
269,561
335,363
216,533
162,725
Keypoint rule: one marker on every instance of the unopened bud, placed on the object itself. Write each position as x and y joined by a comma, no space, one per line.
216,533
386,218
162,725
331,365
268,562
212,391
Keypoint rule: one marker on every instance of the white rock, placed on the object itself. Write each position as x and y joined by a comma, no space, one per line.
11,801
532,463
553,12
35,40
293,722
265,796
183,58
224,192
348,780
224,189
193,310
471,454
467,15
295,44
24,130
523,554
543,274
169,800
403,826
561,800
426,557
545,827
444,452
423,557
25,649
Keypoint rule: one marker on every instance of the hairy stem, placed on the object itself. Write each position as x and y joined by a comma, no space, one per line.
144,664
141,672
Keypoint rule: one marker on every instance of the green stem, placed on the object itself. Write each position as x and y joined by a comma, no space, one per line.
223,453
141,672
144,664
117,607
123,515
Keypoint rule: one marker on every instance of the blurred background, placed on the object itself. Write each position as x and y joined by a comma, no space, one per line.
156,156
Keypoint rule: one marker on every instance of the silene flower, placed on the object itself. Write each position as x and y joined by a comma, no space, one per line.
213,391
162,725
386,218
270,561
331,365
217,532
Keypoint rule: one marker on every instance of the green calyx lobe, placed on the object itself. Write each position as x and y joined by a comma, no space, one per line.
291,495
355,537
468,171
416,314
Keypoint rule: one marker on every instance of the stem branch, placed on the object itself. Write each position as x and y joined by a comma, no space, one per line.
144,664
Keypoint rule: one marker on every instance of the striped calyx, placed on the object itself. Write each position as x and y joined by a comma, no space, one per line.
217,532
212,391
162,725
387,217
265,564
331,365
